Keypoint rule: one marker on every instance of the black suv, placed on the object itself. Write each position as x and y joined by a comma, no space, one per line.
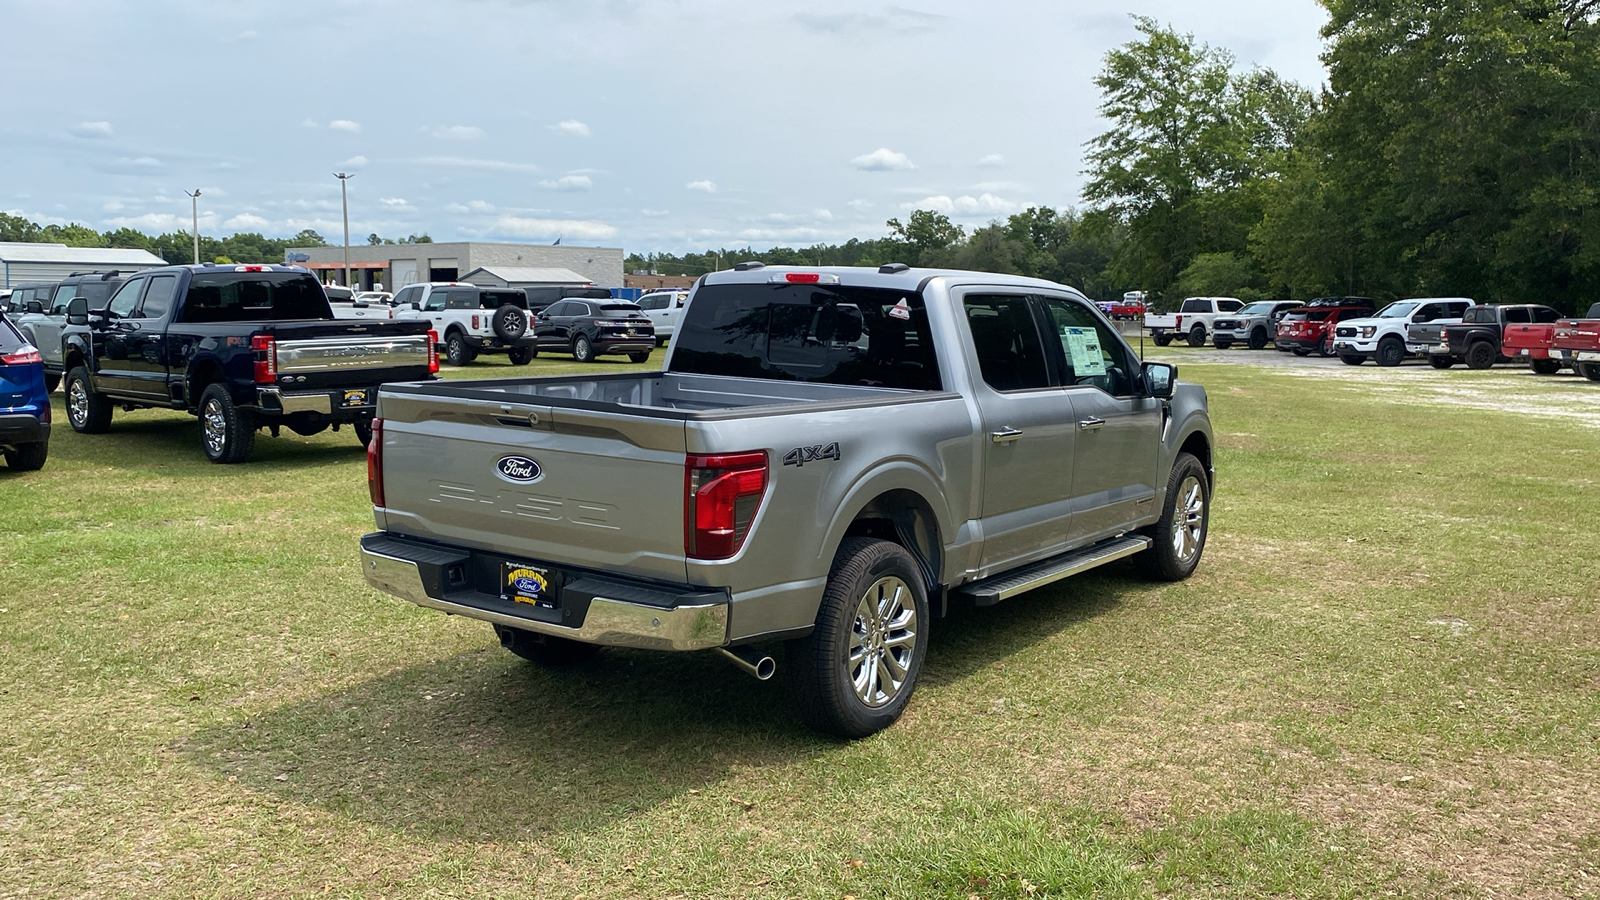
540,297
590,327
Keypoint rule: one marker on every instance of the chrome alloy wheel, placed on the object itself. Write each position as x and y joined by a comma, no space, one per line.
883,641
77,402
1188,520
214,427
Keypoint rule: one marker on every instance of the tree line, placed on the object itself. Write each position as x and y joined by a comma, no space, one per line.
1452,153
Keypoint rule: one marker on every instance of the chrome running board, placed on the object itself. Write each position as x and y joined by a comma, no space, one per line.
992,590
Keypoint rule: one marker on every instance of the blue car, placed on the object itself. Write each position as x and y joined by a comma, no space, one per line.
24,402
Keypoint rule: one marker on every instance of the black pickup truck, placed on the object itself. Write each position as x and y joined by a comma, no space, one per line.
242,348
1476,341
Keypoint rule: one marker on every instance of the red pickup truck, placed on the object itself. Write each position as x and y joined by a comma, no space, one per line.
1532,341
1577,341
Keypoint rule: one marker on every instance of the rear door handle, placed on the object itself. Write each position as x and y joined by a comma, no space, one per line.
1004,435
1091,424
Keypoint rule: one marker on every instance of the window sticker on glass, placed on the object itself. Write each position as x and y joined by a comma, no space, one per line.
1083,345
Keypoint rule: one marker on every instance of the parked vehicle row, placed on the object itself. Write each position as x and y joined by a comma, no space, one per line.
1550,345
1383,337
1193,320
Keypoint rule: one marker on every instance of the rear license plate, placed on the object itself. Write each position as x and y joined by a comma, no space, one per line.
355,398
530,584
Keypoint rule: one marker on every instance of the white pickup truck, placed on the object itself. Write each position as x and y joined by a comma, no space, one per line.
1382,337
1193,319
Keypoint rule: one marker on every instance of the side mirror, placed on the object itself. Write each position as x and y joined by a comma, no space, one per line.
417,305
33,306
78,311
1160,379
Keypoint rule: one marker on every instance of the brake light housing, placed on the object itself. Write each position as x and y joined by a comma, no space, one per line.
433,352
375,463
25,355
265,349
721,495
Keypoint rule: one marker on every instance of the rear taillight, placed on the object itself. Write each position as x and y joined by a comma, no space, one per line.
265,348
474,321
433,352
722,494
375,463
24,355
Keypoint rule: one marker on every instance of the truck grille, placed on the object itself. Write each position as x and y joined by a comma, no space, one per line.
1343,331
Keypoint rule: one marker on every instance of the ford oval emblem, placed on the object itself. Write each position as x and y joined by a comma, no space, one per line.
519,468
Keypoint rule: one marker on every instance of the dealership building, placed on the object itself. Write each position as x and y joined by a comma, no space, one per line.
396,265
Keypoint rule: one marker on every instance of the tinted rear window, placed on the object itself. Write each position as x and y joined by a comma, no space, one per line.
493,299
254,296
1481,314
822,334
10,339
620,308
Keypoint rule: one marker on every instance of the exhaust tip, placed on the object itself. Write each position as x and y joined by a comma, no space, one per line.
765,667
758,665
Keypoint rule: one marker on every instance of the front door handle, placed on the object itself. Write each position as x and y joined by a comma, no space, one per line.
1005,435
1091,424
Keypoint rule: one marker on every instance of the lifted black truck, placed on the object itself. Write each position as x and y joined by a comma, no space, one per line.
242,348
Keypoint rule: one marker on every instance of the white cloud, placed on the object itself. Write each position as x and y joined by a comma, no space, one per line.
571,127
354,162
823,214
804,235
654,213
583,229
860,205
984,204
992,161
397,203
309,123
456,132
91,130
113,206
247,221
710,187
568,183
882,160
162,222
345,125
471,206
487,165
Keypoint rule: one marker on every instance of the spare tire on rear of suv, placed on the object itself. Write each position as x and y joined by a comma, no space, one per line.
510,322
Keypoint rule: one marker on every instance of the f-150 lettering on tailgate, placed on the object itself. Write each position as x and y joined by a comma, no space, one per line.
531,506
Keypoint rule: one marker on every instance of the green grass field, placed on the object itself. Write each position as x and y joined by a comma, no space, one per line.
1385,678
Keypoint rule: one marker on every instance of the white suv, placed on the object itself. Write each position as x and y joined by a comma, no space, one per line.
664,309
470,319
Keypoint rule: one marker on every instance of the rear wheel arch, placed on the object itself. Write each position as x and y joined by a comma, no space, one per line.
202,374
901,516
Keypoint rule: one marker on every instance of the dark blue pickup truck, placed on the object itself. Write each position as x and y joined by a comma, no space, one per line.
242,348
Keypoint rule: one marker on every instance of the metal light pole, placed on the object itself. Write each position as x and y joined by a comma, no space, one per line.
194,209
344,198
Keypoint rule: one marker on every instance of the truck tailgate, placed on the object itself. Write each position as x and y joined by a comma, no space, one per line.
535,482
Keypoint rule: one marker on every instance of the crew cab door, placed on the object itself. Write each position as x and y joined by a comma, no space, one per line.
1028,432
146,340
110,338
1118,428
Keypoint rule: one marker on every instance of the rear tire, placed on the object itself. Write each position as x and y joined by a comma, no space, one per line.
227,433
1180,536
51,382
1352,359
1546,366
28,457
1197,336
1481,355
456,350
582,350
871,629
1391,351
87,411
546,650
1441,362
521,356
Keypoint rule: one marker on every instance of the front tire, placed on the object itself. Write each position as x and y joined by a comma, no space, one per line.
582,350
1197,336
1441,362
1590,371
1222,344
1546,366
87,412
28,457
641,356
1258,339
853,675
1481,355
1180,536
1391,351
227,433
363,429
1352,359
456,350
1161,339
1301,351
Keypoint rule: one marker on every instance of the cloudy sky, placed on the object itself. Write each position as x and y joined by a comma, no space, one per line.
644,124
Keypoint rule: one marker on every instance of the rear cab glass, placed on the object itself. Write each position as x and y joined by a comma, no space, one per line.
820,334
493,298
10,339
254,296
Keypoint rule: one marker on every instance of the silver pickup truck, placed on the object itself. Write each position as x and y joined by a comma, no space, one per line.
830,458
